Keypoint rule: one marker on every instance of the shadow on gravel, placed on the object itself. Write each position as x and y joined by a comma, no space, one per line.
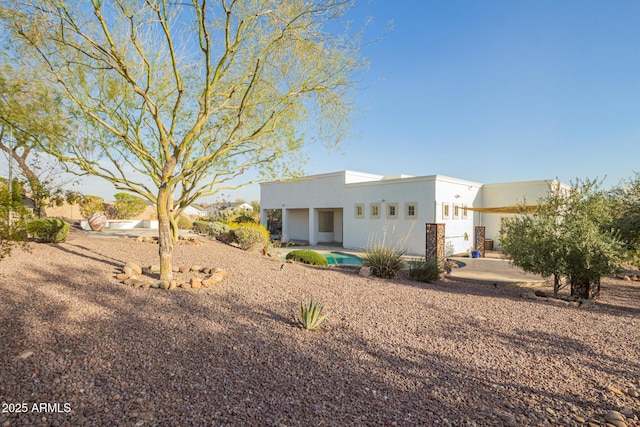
120,355
88,253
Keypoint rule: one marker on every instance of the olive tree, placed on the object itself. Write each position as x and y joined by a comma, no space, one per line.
178,99
566,236
626,214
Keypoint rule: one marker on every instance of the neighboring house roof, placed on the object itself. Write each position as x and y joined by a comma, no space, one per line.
216,207
191,210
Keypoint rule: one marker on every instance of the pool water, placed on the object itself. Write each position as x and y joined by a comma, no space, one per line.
341,258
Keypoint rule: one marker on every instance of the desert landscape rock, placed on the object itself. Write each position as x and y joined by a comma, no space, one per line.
392,352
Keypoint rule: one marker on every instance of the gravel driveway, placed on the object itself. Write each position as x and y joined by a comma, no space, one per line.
87,350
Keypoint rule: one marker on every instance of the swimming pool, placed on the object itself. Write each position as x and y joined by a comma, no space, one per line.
341,258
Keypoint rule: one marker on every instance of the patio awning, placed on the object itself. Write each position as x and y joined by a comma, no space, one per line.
506,209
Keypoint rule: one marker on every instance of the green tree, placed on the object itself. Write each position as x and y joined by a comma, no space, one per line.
625,199
180,98
29,117
128,205
567,235
13,218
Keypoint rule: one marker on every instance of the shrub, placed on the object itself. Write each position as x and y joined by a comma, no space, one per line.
308,257
252,236
385,262
184,223
424,270
12,232
242,219
216,228
91,204
49,230
228,237
311,315
128,205
201,227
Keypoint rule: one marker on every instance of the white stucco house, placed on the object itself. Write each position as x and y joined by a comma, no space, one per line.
357,210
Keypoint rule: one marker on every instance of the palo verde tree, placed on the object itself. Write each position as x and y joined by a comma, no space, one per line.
180,98
29,118
568,235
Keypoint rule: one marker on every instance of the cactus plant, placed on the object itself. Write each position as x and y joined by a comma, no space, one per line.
311,315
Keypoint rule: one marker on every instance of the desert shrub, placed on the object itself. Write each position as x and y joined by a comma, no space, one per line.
424,270
311,316
201,227
91,204
252,236
13,220
49,230
634,257
244,218
184,223
308,257
129,206
216,228
385,262
228,237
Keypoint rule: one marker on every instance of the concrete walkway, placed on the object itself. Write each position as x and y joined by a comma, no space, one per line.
493,269
132,233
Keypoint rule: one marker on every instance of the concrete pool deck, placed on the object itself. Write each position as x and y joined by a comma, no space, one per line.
491,269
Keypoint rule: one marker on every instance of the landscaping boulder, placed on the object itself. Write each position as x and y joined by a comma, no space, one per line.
195,283
135,268
365,271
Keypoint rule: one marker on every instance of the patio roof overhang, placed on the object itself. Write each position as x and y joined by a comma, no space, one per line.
506,209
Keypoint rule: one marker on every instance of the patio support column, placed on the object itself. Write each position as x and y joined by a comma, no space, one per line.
313,239
285,225
263,218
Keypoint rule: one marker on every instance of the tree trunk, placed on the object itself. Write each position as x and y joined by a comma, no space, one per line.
175,231
165,237
580,288
556,284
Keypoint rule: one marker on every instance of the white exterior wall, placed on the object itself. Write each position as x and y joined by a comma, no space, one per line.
302,200
406,234
298,221
455,192
508,194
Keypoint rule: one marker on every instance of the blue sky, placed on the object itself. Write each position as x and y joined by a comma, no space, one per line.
498,91
492,91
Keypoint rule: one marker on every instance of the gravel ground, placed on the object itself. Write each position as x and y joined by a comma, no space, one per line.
391,353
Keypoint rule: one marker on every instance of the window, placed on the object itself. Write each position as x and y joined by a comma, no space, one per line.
445,211
392,210
464,212
359,210
410,210
374,211
456,211
325,222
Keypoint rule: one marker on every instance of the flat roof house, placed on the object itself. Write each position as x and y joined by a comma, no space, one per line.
358,210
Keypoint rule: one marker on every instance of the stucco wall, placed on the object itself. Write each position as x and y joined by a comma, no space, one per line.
428,194
298,224
457,193
406,234
508,194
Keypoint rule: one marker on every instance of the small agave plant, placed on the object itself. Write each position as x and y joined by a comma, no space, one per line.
311,315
